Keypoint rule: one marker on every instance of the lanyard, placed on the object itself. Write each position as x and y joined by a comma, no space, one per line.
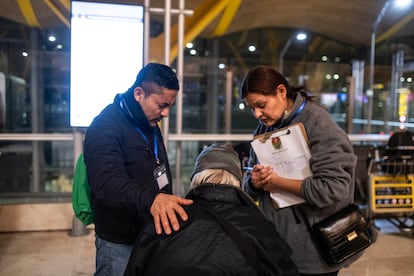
294,115
297,112
125,107
157,160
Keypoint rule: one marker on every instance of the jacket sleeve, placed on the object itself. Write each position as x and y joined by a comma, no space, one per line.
332,163
106,160
247,184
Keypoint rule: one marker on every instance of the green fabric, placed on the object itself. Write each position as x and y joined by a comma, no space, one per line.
81,192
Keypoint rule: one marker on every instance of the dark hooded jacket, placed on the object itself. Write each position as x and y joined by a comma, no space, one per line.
120,159
202,247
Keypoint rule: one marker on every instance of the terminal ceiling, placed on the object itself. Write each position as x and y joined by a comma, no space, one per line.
346,22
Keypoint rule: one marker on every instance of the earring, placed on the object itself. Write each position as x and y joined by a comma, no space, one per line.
287,113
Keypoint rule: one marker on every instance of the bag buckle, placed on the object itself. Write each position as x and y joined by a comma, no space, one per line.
351,236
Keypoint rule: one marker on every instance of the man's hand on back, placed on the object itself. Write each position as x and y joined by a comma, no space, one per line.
164,210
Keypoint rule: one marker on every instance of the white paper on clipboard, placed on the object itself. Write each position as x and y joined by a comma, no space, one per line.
287,152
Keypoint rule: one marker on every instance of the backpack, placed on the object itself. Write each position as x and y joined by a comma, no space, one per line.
81,191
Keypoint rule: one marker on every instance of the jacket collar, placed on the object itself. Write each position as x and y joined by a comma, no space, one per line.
221,193
133,110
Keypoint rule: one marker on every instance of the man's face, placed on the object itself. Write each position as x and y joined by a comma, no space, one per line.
157,105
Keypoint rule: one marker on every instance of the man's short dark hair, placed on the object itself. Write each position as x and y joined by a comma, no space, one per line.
157,73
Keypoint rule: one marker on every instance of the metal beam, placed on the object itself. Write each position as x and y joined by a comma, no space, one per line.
65,4
57,12
395,28
185,137
28,13
227,17
194,25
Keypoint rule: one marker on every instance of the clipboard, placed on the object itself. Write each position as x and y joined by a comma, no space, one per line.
287,151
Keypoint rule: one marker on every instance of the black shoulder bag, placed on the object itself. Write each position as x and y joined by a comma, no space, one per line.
341,235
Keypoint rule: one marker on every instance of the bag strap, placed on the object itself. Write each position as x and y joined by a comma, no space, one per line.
244,244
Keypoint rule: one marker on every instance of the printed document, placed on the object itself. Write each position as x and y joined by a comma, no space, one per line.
286,150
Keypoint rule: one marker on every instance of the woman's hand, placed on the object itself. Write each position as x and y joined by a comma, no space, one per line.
262,176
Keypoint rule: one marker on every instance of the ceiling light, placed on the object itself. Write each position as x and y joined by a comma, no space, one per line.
402,3
252,48
301,36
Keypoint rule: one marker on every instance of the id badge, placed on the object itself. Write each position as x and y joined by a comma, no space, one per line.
160,174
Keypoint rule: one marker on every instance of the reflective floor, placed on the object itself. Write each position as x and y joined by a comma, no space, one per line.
59,253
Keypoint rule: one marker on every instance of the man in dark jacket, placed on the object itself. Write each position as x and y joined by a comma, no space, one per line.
226,233
128,169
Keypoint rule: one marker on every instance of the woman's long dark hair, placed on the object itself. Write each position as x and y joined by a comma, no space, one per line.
264,80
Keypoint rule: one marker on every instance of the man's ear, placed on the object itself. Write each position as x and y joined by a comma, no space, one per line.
139,94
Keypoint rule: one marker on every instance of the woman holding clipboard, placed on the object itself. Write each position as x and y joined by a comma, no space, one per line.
330,187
